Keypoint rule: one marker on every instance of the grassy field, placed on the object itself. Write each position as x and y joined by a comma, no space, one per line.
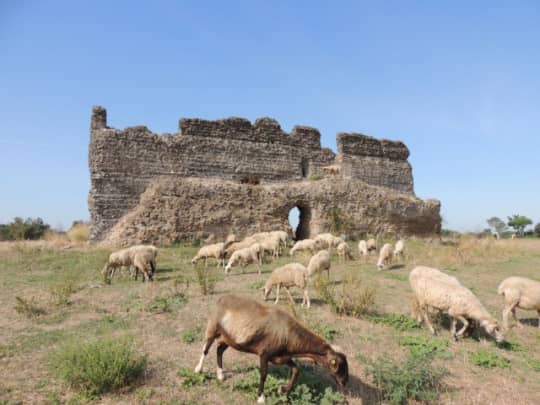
52,296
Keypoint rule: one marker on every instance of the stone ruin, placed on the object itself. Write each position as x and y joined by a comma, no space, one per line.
232,176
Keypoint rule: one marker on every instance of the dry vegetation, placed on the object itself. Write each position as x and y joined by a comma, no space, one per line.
53,296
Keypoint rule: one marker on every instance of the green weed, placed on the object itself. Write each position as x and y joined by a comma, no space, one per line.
397,321
191,335
488,359
191,378
28,307
420,345
98,366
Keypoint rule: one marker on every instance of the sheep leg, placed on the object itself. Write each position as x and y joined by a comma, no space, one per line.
264,371
306,299
206,347
277,294
289,294
518,323
285,389
425,315
463,329
220,349
510,308
205,262
453,327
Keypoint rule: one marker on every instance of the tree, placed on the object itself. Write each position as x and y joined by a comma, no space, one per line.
497,224
537,229
519,222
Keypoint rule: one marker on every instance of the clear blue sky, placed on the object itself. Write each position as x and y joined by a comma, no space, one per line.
458,82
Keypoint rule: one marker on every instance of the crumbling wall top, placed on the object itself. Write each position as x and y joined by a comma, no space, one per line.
364,145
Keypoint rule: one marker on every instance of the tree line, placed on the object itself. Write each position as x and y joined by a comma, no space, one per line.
518,224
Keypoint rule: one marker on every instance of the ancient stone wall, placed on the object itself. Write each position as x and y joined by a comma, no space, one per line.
126,163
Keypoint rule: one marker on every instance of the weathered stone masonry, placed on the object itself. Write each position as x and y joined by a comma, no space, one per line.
161,188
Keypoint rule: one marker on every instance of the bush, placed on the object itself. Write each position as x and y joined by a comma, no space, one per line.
79,232
62,292
167,303
415,379
537,229
397,321
28,307
191,378
98,366
310,387
191,335
207,279
315,175
420,345
348,298
488,359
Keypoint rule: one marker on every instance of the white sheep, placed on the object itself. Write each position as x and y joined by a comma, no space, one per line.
290,275
319,263
385,256
331,169
145,263
283,237
304,244
244,243
433,289
245,256
327,241
344,251
519,292
362,248
216,250
399,248
270,244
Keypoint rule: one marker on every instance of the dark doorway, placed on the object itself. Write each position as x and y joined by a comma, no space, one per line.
299,219
304,167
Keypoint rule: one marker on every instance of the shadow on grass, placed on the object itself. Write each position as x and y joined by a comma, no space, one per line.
529,322
396,267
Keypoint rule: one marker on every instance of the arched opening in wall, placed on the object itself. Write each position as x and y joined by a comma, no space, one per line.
304,167
299,218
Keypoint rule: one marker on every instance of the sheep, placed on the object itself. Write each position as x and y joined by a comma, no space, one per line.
327,241
519,292
282,235
319,263
371,245
246,242
290,275
434,289
362,248
331,169
399,248
231,238
385,256
272,334
270,244
145,263
304,244
344,251
216,250
245,256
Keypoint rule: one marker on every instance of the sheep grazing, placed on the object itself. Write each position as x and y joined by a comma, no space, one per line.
272,334
245,243
283,237
142,257
433,289
371,245
327,241
385,256
304,244
399,248
331,169
216,250
344,251
290,275
251,254
362,248
270,244
519,292
319,263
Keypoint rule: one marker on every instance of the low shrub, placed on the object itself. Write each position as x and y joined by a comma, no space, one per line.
62,291
191,378
98,366
310,387
488,359
28,307
397,321
191,335
79,232
207,279
419,345
348,298
414,379
533,363
167,303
